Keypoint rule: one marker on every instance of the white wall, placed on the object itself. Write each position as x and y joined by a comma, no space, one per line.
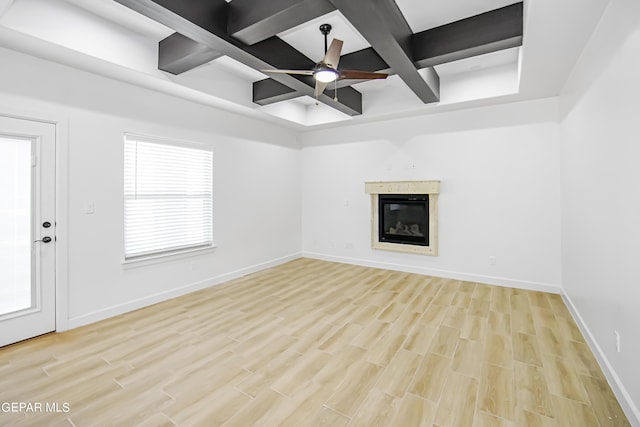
601,200
499,169
257,190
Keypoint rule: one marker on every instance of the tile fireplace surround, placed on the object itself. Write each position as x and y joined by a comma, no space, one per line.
430,188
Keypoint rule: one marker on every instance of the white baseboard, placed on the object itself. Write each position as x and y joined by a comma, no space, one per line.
629,408
116,310
447,274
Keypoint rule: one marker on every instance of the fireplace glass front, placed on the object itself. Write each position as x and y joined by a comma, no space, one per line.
404,218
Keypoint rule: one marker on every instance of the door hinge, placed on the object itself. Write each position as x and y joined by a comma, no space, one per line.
34,160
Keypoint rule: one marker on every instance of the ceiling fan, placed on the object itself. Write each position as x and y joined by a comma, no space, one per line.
327,71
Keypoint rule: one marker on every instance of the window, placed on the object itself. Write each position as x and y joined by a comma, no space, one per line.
168,197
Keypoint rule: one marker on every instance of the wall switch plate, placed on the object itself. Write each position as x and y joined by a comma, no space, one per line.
618,344
89,208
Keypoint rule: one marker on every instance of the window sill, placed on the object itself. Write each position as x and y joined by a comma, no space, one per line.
168,257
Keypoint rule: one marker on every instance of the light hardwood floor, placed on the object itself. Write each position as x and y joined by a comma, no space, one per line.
312,343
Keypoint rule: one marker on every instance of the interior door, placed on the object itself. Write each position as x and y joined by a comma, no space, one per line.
27,229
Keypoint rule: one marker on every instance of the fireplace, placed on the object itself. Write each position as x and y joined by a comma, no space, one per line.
404,216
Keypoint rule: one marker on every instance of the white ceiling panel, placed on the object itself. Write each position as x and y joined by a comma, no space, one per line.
306,38
117,13
424,14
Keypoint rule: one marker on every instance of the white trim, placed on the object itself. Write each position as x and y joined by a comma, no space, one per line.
116,310
161,257
447,274
61,123
62,225
628,406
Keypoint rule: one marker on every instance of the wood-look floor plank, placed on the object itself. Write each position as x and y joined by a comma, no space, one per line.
604,403
429,379
466,359
445,341
414,411
397,376
307,403
531,419
583,360
498,350
315,343
355,388
300,372
420,338
377,410
474,328
563,379
457,405
532,391
486,420
499,323
497,395
525,349
572,413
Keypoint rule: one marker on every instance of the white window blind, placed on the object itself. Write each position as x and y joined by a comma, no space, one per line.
168,197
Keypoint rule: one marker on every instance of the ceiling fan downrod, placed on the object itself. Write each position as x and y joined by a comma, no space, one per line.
325,29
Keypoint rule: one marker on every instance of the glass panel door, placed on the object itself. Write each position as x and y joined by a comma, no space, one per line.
15,225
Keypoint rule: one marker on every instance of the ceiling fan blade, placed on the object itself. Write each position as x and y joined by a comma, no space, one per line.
332,57
320,87
301,72
361,75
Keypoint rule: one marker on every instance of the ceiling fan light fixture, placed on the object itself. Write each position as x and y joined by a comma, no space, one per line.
326,75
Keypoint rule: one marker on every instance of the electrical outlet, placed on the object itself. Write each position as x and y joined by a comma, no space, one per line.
618,344
492,260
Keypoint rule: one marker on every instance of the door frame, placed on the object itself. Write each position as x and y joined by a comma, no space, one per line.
61,123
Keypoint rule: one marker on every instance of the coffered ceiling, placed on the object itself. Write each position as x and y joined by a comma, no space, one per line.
439,54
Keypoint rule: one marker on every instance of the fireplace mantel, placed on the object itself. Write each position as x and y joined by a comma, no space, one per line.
430,188
402,187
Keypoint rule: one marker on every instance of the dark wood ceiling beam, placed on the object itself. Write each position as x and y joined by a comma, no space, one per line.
269,91
177,54
204,21
488,32
252,21
197,54
364,59
381,22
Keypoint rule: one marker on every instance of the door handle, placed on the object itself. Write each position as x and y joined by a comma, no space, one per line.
45,239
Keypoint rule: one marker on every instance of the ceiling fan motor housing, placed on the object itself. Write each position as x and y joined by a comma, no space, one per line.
325,29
